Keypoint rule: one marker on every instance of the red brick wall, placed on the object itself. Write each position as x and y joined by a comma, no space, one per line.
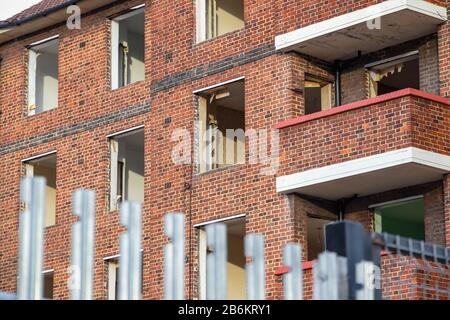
444,61
391,125
404,278
408,278
429,67
446,195
88,111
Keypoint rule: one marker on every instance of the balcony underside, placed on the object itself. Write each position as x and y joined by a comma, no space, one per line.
369,175
341,38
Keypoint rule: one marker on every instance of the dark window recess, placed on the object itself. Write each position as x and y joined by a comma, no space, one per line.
394,76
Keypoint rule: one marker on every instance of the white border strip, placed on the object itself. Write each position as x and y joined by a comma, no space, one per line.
116,256
382,204
138,6
125,131
239,216
359,16
39,156
399,57
361,166
35,44
48,271
218,85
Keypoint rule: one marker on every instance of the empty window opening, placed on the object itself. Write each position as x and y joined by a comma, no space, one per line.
222,126
315,228
128,48
43,77
318,95
218,17
113,279
394,75
48,285
45,167
406,219
235,264
127,168
113,268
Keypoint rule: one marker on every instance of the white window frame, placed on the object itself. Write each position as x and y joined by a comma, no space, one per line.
201,20
115,23
203,247
29,172
32,65
202,151
113,166
113,265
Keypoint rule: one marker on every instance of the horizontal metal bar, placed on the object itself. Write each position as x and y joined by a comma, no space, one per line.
7,296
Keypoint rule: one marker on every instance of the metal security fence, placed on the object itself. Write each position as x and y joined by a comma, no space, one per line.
356,265
412,269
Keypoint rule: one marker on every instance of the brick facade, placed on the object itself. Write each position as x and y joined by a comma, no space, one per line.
176,65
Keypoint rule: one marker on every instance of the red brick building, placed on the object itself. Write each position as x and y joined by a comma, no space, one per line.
357,90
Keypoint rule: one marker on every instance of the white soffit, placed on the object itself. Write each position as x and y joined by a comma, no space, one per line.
368,175
341,37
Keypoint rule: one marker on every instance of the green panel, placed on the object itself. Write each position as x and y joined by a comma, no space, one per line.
405,219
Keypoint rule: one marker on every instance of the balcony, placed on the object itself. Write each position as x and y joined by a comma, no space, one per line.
366,30
388,142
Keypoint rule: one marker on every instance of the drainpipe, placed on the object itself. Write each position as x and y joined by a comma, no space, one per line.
337,86
342,203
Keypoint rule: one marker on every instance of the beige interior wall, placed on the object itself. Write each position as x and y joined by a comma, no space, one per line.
136,54
224,16
134,175
50,192
230,15
46,82
236,267
137,64
134,172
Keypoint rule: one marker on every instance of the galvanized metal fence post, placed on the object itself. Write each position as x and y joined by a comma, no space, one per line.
350,240
216,262
293,279
83,238
330,279
255,270
130,252
31,238
367,278
174,257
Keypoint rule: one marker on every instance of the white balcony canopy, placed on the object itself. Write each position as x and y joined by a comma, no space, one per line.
341,37
368,175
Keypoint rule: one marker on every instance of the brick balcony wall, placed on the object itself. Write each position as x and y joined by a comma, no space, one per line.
408,121
402,278
407,278
89,111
